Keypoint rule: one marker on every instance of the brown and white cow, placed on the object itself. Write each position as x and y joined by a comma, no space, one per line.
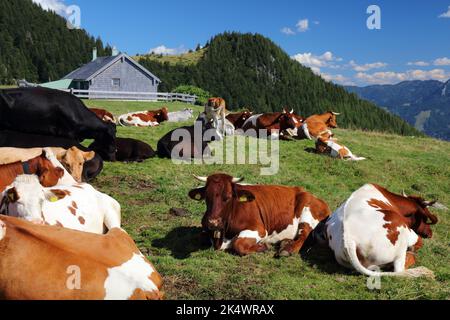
238,119
77,206
52,263
332,148
249,218
376,228
73,159
275,123
104,115
48,173
318,126
144,118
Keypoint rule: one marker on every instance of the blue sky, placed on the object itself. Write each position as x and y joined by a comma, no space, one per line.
331,37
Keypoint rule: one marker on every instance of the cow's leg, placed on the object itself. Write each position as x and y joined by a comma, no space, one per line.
245,246
290,247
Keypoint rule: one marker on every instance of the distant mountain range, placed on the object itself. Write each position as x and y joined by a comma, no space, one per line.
424,104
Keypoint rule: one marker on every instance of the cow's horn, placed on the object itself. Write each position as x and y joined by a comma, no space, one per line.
336,114
404,194
202,179
292,111
237,180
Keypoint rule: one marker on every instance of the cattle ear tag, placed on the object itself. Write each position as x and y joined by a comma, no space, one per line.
54,199
243,199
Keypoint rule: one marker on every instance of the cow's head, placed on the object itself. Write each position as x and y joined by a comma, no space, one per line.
25,198
245,115
74,159
162,115
420,219
289,121
220,191
48,174
332,122
216,103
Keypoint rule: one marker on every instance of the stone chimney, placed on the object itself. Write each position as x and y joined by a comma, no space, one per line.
94,54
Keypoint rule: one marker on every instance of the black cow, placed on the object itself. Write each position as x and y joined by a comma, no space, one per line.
130,150
54,113
91,168
188,142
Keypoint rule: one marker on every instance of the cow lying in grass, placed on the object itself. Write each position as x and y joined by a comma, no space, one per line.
179,116
104,115
144,118
48,173
51,263
249,218
275,124
335,150
78,206
376,228
318,126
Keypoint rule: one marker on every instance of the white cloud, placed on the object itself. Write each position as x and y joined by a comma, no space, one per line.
302,25
442,62
367,66
57,6
337,78
445,14
162,49
288,31
418,63
390,77
310,60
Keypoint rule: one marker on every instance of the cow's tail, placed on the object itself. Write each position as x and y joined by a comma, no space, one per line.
350,247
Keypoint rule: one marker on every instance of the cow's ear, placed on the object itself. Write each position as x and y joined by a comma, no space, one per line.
12,195
197,194
245,196
89,155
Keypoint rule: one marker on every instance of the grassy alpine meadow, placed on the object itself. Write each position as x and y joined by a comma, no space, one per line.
147,191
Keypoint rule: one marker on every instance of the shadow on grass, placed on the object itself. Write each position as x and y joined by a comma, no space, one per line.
183,241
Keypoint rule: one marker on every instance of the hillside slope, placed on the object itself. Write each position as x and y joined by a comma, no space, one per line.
249,70
36,45
424,104
148,190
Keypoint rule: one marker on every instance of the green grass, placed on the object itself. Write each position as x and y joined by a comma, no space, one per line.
148,190
188,58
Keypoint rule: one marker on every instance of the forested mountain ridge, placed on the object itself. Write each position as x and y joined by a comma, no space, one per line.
36,45
423,104
249,70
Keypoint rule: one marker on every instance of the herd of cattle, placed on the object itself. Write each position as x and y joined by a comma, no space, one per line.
53,222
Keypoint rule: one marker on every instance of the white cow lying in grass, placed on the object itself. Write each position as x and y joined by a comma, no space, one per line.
377,229
75,206
179,116
335,150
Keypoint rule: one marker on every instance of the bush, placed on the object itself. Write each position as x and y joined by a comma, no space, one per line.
202,95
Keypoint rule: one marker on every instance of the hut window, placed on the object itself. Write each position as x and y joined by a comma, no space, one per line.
116,82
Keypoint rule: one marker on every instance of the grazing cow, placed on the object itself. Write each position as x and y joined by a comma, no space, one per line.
51,263
238,119
79,206
55,113
49,174
130,150
144,118
318,126
275,123
335,150
377,228
183,144
248,218
179,116
104,115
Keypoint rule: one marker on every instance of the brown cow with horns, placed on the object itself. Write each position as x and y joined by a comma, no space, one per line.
248,218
